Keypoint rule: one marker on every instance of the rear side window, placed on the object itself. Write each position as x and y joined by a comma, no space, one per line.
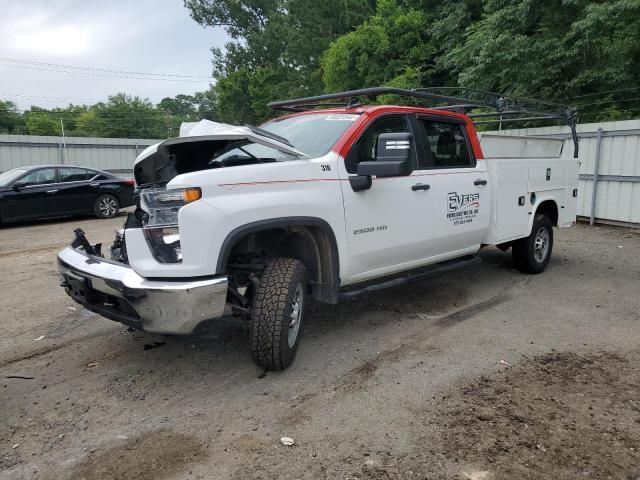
69,174
446,145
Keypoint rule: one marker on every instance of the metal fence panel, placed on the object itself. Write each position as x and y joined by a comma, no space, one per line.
111,154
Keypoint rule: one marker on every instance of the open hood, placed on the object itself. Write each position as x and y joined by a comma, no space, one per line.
199,144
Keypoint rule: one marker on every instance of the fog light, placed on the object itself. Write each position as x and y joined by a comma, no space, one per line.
165,244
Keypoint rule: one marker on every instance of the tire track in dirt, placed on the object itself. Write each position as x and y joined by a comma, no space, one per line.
357,377
52,348
30,251
148,456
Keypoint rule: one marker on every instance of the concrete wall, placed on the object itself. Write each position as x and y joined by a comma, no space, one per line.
111,154
614,155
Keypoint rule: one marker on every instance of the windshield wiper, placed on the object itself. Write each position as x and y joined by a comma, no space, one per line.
266,133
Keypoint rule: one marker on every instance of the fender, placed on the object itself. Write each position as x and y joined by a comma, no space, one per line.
539,201
283,222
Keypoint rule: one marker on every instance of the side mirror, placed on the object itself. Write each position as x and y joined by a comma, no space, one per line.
18,185
393,156
393,159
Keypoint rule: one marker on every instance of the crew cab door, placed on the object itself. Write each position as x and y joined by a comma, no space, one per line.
459,197
389,224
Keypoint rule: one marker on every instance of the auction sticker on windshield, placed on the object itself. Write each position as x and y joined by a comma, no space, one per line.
344,117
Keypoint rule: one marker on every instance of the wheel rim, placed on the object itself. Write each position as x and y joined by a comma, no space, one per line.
541,245
296,314
107,206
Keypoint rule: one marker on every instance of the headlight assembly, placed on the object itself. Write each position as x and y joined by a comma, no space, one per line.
161,224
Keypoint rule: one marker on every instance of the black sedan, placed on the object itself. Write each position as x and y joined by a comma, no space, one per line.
48,191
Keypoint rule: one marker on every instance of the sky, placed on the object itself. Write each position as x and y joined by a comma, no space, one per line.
149,36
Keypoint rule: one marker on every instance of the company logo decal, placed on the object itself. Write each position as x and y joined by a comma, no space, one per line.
462,208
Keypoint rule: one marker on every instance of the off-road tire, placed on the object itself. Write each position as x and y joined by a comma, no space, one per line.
527,253
272,310
106,206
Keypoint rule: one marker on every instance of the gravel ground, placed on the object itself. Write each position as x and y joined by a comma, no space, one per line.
484,373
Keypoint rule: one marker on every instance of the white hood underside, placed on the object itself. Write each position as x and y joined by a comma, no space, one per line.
222,131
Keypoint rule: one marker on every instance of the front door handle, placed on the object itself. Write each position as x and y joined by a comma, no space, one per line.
51,192
420,186
480,182
94,184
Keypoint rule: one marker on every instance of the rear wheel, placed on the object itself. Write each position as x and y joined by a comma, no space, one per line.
106,206
278,312
532,254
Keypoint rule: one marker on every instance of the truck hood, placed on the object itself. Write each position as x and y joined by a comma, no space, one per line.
196,145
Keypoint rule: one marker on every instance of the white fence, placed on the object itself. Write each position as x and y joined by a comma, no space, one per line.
609,188
114,155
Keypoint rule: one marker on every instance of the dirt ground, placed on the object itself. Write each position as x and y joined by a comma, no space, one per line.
481,374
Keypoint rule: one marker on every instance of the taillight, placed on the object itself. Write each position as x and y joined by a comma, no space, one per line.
130,182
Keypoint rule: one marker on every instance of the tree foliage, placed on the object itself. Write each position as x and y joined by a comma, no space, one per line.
10,119
564,50
275,48
121,116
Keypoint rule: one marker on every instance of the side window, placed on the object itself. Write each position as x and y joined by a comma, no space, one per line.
68,174
39,177
364,149
446,145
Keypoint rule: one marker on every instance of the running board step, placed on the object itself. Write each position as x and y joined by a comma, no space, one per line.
421,274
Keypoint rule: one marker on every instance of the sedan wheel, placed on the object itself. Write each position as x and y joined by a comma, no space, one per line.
107,206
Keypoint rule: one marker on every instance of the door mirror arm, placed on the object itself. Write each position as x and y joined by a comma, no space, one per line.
17,186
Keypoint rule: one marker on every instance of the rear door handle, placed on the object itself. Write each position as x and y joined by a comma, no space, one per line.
420,186
480,182
51,192
94,184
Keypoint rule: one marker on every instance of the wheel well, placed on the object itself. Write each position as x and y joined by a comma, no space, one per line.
550,209
314,245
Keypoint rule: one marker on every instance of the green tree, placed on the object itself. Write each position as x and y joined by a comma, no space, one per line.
404,44
555,49
275,49
126,116
10,119
41,122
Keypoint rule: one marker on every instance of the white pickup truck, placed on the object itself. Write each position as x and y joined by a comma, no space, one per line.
327,203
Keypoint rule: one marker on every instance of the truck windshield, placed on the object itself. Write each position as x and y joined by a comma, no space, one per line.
313,134
10,175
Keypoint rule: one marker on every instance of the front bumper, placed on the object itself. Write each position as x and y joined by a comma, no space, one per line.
116,291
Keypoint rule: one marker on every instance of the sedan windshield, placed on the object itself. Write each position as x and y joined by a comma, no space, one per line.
313,134
10,175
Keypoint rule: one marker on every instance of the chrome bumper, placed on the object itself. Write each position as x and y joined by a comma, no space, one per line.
115,291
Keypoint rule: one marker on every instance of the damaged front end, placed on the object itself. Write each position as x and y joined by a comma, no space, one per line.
149,282
114,290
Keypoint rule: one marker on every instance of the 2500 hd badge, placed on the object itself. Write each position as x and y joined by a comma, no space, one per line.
462,208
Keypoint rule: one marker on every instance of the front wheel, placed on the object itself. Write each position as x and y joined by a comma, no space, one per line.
106,206
532,254
278,312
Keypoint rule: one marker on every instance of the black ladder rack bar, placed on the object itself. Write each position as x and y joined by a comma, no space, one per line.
512,120
374,92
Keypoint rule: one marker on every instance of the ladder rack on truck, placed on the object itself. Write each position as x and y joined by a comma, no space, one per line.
508,108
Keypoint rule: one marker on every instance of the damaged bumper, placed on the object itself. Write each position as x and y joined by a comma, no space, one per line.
115,291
